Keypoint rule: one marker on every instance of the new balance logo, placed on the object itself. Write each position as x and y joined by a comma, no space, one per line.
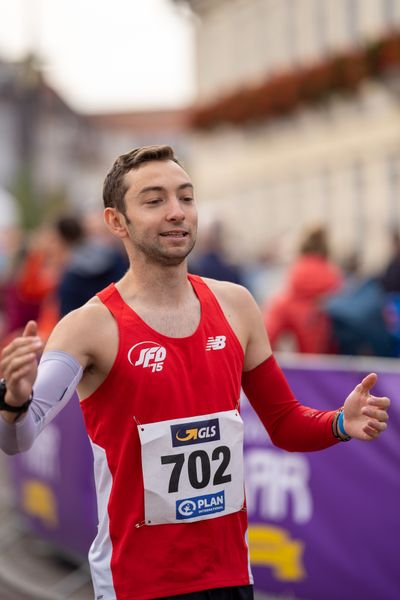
216,343
147,355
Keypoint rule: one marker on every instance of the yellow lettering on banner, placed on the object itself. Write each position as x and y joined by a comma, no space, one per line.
38,500
272,547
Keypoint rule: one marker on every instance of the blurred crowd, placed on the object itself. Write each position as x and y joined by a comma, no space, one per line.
318,306
56,269
334,309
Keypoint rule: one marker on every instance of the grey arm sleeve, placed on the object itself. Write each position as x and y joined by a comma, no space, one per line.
58,375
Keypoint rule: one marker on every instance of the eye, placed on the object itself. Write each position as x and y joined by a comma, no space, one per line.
154,201
187,199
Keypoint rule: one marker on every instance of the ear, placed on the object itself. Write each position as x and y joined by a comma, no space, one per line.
115,222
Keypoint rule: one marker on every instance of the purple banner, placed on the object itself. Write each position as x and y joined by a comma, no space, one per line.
323,525
54,486
326,525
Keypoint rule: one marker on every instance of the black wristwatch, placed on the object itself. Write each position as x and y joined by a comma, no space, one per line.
13,409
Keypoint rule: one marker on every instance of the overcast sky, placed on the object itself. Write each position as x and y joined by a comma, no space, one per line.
106,54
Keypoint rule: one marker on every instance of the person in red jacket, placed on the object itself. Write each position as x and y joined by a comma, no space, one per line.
159,359
298,310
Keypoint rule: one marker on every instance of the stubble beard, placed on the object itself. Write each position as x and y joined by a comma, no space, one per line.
155,255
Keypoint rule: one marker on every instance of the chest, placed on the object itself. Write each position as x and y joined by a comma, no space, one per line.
193,369
176,323
156,378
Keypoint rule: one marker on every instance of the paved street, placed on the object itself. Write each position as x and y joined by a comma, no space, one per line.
30,569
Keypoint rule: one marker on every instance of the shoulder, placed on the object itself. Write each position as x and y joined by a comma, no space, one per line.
231,295
82,331
86,316
245,318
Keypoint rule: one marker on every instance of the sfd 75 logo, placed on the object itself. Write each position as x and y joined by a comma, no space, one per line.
148,355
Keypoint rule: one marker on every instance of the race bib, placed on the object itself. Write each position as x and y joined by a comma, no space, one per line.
192,468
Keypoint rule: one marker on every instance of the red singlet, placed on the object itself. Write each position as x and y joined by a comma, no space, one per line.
157,378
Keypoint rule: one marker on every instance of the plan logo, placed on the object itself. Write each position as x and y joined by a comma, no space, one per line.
200,506
216,343
196,432
148,355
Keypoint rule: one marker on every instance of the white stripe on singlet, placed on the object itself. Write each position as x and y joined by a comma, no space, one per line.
246,539
101,549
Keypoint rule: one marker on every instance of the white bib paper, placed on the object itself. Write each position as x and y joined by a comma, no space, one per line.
192,468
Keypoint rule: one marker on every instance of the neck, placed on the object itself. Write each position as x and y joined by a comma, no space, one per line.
156,284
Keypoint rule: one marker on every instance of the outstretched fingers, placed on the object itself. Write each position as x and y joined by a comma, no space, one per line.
380,401
373,429
376,410
375,413
15,377
21,345
20,354
15,363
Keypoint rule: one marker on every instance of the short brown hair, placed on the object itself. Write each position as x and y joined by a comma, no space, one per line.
315,241
114,187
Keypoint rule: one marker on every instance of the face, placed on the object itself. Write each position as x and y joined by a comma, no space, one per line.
161,212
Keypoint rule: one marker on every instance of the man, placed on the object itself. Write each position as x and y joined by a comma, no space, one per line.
158,360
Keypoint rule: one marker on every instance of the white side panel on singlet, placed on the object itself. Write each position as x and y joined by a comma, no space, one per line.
246,537
101,549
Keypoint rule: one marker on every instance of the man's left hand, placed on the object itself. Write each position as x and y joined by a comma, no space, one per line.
365,415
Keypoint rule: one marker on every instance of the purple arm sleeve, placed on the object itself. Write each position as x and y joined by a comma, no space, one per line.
58,375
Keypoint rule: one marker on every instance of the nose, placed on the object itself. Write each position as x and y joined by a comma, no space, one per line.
175,211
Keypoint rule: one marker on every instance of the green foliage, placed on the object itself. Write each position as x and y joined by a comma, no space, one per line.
35,208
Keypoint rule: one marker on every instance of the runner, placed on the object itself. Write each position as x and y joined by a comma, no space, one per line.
158,360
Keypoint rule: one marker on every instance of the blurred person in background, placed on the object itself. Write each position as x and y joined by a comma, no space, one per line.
390,280
65,264
64,235
357,314
298,311
31,290
210,260
12,251
391,273
31,278
92,263
159,359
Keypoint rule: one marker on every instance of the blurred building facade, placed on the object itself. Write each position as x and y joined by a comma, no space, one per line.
39,132
297,120
51,152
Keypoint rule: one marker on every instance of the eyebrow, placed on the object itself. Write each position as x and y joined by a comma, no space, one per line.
159,188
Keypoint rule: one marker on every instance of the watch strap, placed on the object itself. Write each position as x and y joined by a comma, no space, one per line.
8,407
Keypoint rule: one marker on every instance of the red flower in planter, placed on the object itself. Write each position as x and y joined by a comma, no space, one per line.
282,93
349,70
389,53
316,82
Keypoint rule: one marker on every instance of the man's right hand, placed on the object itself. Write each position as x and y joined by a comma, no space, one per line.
18,365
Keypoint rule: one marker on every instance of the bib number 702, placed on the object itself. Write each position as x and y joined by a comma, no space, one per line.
199,468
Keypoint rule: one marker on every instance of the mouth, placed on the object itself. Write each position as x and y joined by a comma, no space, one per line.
175,234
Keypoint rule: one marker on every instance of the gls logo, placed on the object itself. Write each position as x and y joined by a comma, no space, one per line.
148,355
196,432
216,343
